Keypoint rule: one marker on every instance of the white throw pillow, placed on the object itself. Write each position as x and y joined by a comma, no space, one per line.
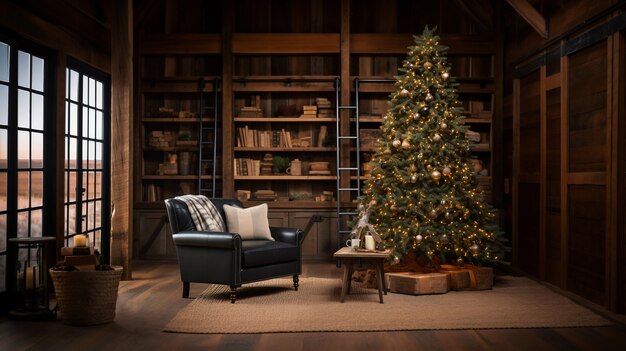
251,223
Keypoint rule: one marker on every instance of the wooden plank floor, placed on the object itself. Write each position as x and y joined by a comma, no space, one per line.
153,297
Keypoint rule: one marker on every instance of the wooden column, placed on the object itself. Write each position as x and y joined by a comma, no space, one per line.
543,174
228,185
564,161
515,175
121,133
613,100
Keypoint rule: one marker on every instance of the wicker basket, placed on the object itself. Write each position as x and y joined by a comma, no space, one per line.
86,298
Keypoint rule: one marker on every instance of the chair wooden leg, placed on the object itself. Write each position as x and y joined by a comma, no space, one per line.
296,281
185,290
233,294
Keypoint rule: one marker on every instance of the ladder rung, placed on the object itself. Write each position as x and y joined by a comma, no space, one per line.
348,168
347,137
347,107
348,189
347,213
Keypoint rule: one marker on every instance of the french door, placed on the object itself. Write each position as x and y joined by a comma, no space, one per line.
87,195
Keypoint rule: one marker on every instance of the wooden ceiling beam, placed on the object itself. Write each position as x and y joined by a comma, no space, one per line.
532,16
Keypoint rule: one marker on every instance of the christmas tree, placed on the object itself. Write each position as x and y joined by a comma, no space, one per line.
421,196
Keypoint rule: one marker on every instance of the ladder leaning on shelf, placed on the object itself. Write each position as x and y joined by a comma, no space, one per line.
349,177
208,141
345,170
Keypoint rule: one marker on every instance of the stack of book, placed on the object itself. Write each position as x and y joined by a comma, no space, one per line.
247,137
81,255
309,111
266,164
247,167
265,195
324,108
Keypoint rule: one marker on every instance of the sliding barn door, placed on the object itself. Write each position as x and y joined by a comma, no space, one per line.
587,168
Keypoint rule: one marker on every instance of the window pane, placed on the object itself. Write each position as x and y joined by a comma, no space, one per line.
72,154
98,184
98,214
4,105
23,152
73,85
22,189
4,62
70,219
37,111
23,69
89,216
85,154
98,158
22,224
99,94
23,109
84,216
73,119
92,155
36,223
72,186
86,194
4,144
85,121
67,83
92,123
3,232
36,160
36,188
98,125
85,99
92,92
3,192
38,76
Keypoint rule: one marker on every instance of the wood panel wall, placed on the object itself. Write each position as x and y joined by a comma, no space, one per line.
572,213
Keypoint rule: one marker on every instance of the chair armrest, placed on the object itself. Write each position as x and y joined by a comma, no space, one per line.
287,235
208,239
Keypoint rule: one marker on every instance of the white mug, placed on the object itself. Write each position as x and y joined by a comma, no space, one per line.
369,242
353,243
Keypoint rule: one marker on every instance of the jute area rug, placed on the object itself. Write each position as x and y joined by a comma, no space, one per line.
274,307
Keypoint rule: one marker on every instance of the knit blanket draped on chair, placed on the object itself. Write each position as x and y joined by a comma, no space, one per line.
204,214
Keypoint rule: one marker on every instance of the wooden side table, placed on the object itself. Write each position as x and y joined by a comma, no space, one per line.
348,256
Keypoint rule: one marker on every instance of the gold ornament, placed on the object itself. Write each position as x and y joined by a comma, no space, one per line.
413,178
406,144
445,75
429,97
396,143
413,167
443,125
420,156
436,175
418,238
444,239
387,152
460,262
429,168
404,92
396,260
428,65
447,171
437,137
432,214
394,208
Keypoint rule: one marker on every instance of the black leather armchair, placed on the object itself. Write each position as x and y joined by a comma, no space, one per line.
224,258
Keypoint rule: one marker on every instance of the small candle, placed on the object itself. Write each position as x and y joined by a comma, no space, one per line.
80,240
32,277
